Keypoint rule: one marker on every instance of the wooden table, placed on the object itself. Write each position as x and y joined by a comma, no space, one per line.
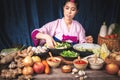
92,75
57,74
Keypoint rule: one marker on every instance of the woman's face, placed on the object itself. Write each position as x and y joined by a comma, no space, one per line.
69,10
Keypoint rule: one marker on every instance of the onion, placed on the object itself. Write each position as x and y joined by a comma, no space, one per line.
119,73
28,70
117,58
112,68
27,61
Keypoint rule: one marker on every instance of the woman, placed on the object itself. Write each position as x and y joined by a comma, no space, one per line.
65,29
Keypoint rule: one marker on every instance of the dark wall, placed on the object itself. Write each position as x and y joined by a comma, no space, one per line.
19,17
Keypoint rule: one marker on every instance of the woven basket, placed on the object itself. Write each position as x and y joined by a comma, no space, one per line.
112,44
108,61
112,58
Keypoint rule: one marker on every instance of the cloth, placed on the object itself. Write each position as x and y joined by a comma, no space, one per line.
59,30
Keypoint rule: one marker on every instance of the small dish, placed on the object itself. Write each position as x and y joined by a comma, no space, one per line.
54,62
80,64
95,65
69,55
66,68
85,49
61,46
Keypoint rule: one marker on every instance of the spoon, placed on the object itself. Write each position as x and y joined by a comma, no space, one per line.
95,59
79,58
51,56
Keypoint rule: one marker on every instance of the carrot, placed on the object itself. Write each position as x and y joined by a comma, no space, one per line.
47,68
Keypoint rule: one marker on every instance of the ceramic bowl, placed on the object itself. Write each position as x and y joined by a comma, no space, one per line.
95,65
80,64
66,68
62,47
53,62
69,55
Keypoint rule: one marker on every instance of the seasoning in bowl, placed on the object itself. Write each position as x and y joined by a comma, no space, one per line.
66,68
98,64
54,62
80,64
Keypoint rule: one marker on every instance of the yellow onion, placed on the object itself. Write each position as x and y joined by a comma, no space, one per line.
112,68
119,73
27,61
27,70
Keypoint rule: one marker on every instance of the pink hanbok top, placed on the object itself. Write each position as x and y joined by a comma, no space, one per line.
59,30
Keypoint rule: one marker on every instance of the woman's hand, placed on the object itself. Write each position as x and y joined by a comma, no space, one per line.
50,41
89,39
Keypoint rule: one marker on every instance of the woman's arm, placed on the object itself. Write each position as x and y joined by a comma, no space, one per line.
49,40
44,34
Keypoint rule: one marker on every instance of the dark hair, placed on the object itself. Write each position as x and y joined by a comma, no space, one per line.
75,1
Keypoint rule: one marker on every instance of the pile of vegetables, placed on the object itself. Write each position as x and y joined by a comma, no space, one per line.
69,53
117,30
15,64
110,36
62,45
20,64
111,32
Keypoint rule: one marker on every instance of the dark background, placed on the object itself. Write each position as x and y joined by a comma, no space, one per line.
19,17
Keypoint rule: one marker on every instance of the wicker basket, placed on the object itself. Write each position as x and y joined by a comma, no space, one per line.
112,44
108,61
113,58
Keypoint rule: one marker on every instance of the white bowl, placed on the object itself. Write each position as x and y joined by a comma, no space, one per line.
81,65
53,63
98,65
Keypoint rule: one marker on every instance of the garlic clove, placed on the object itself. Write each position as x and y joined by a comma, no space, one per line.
76,76
83,72
74,70
81,78
80,73
85,76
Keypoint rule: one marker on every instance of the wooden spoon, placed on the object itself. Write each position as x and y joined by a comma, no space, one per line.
51,56
79,59
95,59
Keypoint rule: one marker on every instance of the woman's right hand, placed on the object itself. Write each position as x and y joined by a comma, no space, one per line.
49,41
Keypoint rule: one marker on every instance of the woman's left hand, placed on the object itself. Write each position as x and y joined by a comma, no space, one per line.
89,39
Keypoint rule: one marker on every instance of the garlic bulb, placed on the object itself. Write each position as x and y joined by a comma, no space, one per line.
81,73
85,76
12,65
76,76
74,70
